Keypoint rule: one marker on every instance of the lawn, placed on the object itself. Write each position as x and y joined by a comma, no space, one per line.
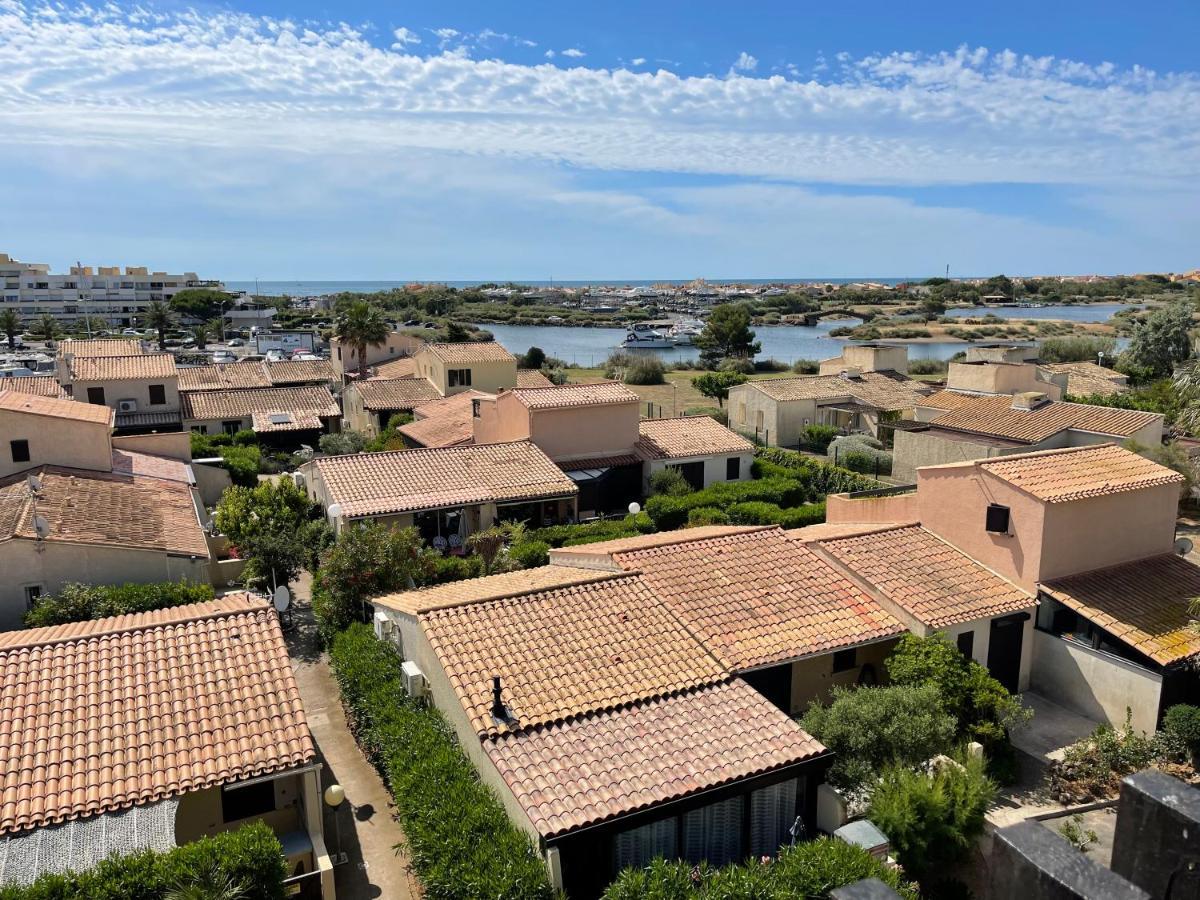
671,398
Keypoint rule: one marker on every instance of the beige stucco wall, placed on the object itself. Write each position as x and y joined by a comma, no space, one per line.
714,467
345,359
354,415
842,508
913,449
583,432
502,419
1001,378
489,377
868,359
813,678
1095,684
982,642
52,564
132,389
54,441
171,444
211,481
200,815
782,420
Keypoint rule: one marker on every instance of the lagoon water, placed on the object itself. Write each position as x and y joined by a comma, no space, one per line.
1083,312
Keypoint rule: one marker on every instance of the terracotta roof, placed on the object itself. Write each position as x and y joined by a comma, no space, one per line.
829,530
113,509
307,400
101,347
565,652
56,407
596,768
470,352
396,393
104,715
223,377
532,378
881,390
603,393
759,598
489,587
123,368
1087,378
688,436
946,399
599,462
300,371
268,423
370,484
41,385
445,422
935,583
602,552
127,462
1145,603
994,415
1059,476
404,367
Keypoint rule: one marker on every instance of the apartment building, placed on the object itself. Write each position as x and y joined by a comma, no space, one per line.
112,293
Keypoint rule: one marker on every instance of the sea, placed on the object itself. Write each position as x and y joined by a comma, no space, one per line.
316,288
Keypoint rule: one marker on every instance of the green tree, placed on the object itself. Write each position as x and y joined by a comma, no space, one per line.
717,384
216,327
46,327
200,303
267,525
998,284
457,334
362,325
533,358
158,316
201,334
1160,342
727,333
10,322
89,325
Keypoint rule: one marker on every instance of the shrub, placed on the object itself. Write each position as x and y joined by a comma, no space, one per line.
811,869
670,512
81,602
669,481
529,554
712,412
738,364
806,367
707,515
444,569
245,438
856,461
821,478
1183,721
1075,349
1093,768
645,370
849,451
753,512
927,366
932,819
342,443
250,858
563,535
770,365
818,436
243,463
462,842
871,727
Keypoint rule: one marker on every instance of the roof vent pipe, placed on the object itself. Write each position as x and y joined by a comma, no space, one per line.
498,710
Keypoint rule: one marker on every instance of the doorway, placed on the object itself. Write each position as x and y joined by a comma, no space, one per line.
1005,641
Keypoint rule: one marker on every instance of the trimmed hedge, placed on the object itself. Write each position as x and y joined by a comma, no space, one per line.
81,602
463,845
607,529
250,857
671,512
821,477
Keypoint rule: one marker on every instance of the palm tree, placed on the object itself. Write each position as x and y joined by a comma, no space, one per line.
47,327
11,323
360,326
158,316
216,327
201,334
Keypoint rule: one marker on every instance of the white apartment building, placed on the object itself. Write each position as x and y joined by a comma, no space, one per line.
105,292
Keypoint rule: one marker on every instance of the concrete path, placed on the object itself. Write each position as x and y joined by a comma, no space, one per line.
364,827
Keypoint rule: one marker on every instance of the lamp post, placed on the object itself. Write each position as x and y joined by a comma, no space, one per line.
334,796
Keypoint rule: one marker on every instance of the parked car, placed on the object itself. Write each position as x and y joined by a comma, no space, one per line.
130,331
274,356
221,357
236,342
252,357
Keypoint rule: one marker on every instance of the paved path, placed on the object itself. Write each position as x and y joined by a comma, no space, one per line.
365,824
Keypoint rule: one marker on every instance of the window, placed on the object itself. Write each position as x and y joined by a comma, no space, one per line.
714,832
158,395
232,427
772,814
733,468
966,644
741,416
20,451
845,660
244,802
475,409
459,377
638,846
32,592
758,420
200,429
997,518
96,396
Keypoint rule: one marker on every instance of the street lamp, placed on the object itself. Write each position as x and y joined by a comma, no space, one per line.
334,796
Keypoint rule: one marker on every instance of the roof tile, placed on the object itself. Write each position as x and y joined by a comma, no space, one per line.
101,347
308,400
488,587
41,385
1060,476
687,436
994,415
562,396
123,368
880,390
55,407
395,393
470,352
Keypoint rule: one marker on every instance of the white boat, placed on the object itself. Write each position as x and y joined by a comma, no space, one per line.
683,332
641,336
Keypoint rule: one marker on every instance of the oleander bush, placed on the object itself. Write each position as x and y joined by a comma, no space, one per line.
81,602
462,843
249,859
530,554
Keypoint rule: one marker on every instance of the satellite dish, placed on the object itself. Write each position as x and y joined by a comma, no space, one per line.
335,510
41,527
34,483
1183,546
282,598
635,508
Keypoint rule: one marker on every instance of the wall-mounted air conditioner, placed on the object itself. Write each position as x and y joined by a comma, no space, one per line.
415,684
126,406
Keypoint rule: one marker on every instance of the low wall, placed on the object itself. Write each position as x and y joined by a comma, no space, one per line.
1093,683
848,509
211,480
174,445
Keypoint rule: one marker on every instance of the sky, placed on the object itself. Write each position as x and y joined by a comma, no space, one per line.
614,140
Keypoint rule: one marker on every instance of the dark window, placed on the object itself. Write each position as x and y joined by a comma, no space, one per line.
232,427
459,377
733,468
158,395
200,429
96,396
966,643
845,660
244,802
475,409
997,518
31,594
20,451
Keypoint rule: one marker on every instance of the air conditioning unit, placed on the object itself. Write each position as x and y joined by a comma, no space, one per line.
126,406
415,684
298,479
383,626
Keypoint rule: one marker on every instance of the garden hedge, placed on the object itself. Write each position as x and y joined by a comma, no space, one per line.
80,602
462,843
250,857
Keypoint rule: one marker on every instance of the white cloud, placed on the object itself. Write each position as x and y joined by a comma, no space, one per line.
404,37
745,62
574,53
446,34
638,61
549,54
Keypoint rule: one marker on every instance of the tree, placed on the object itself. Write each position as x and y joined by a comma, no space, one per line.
158,316
717,384
998,284
362,325
89,324
201,334
933,307
47,327
727,333
1160,342
200,303
216,327
533,358
266,523
457,334
11,323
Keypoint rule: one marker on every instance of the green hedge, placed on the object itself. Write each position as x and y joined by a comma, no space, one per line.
250,857
607,529
80,602
462,843
821,477
671,512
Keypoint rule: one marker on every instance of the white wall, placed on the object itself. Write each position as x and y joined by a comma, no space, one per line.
714,467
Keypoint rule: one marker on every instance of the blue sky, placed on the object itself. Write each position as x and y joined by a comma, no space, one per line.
617,140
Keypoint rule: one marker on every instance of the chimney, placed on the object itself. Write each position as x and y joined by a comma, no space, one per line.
1028,400
852,372
499,712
